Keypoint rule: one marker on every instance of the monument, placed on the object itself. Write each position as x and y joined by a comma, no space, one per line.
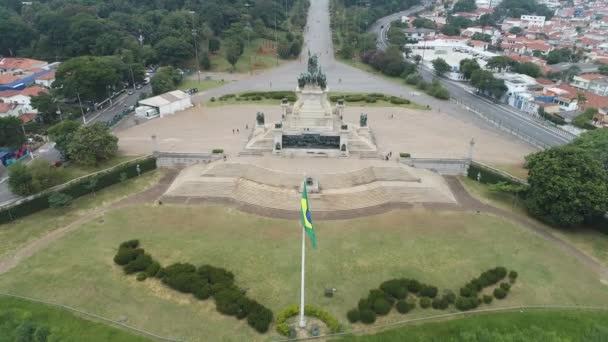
310,126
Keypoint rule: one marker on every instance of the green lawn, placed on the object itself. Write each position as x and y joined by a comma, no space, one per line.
202,86
61,324
591,241
571,325
73,170
18,233
255,56
442,248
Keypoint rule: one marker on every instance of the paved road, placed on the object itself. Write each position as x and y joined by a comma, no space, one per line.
542,133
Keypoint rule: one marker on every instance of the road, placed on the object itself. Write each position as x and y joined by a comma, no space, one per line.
50,153
541,133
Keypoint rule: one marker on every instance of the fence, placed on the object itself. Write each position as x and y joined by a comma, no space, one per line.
443,166
516,132
12,210
94,316
179,160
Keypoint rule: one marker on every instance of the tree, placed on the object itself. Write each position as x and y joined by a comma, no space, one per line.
233,52
173,51
603,69
61,134
20,179
561,55
464,6
450,30
500,63
596,143
11,135
205,61
44,176
166,79
90,77
214,45
515,30
527,68
584,119
498,88
46,106
484,37
441,66
91,144
567,186
581,99
417,59
424,23
467,66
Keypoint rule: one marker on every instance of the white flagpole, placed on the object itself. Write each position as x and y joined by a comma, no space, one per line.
302,320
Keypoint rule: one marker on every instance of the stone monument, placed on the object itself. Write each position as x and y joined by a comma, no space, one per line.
311,126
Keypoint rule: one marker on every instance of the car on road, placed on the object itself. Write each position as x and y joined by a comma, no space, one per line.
131,92
138,86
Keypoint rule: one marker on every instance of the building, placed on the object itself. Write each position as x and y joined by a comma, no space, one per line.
599,86
419,33
583,81
19,66
533,20
22,97
168,103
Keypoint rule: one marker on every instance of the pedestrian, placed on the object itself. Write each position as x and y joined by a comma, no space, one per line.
237,131
247,126
233,131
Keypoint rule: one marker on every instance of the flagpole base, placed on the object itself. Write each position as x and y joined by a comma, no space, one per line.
302,324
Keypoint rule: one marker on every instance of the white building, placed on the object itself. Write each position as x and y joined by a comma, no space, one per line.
168,103
533,20
487,3
22,97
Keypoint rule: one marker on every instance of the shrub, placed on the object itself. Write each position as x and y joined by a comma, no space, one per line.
450,296
153,269
226,301
404,155
466,291
140,264
499,293
440,303
59,200
364,304
202,292
382,306
466,303
353,315
487,299
403,307
141,276
283,329
413,286
334,98
505,286
512,276
425,302
212,99
259,318
130,244
125,256
394,288
329,320
367,316
370,99
217,150
215,275
428,291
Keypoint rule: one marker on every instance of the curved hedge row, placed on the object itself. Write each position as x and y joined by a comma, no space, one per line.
203,282
404,293
82,187
312,311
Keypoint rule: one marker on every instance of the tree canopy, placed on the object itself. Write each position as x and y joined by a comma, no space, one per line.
441,66
11,135
568,186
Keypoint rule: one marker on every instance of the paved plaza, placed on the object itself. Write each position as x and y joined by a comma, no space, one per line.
419,132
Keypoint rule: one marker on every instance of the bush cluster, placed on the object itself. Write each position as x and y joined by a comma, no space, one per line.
203,282
370,98
77,189
487,278
259,95
312,311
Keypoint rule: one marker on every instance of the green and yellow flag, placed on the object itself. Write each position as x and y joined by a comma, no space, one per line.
306,218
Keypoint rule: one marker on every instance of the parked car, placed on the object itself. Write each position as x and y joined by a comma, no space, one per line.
131,92
138,86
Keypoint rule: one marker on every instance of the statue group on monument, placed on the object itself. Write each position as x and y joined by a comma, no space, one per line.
314,76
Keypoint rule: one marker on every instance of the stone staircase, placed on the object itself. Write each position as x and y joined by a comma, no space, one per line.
367,187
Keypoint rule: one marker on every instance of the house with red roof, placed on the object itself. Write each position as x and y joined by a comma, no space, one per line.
583,81
22,97
17,66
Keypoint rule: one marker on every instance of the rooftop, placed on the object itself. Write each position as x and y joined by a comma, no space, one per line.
164,99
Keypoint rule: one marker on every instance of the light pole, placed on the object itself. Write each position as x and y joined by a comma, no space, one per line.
132,77
194,37
84,119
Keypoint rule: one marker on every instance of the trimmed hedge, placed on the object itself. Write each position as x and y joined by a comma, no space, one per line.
77,189
203,282
312,311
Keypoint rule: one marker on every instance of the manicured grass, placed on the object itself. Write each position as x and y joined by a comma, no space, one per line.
62,324
202,86
571,325
20,232
442,248
257,55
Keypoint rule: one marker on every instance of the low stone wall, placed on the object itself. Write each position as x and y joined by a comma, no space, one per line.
442,166
175,160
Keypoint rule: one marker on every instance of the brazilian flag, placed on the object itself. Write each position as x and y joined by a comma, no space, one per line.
306,218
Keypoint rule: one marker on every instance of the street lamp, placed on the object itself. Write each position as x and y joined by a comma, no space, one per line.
194,37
